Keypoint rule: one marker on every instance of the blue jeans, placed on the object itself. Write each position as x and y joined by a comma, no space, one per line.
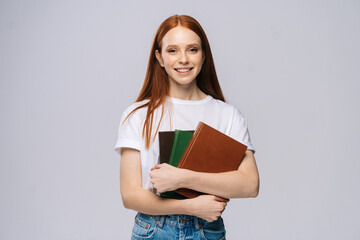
179,227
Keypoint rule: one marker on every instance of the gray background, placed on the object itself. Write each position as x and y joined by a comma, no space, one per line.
68,70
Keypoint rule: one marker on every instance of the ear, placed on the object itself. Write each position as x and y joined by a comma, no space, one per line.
159,58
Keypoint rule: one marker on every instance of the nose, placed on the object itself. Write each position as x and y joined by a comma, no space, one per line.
183,58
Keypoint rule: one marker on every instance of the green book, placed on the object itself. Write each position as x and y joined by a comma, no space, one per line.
181,141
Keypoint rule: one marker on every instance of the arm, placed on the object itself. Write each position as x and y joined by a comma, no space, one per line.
241,183
139,199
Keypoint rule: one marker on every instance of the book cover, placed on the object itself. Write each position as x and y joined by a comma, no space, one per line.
181,141
166,140
210,151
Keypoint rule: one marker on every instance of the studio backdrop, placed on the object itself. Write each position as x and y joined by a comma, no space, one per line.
68,69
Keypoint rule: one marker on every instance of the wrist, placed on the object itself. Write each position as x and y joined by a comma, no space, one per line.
186,178
188,206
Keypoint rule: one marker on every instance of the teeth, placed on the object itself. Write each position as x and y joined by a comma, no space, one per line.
183,69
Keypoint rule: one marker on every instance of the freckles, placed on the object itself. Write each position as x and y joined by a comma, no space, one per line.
199,59
166,60
169,61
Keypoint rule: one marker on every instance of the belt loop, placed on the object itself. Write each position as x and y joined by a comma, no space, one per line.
161,221
197,223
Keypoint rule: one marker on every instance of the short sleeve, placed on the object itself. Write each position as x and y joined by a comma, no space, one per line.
128,133
239,129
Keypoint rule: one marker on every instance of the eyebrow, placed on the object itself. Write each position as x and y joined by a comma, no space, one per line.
192,44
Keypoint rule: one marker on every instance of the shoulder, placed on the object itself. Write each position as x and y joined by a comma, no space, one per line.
226,107
138,113
135,105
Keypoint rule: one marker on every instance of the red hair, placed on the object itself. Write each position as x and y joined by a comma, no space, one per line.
156,84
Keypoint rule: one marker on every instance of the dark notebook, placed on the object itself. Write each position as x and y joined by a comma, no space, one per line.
210,151
166,140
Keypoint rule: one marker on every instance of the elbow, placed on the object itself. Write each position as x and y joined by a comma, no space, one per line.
254,191
127,198
250,190
126,201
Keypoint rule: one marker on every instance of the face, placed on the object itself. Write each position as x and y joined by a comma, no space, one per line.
181,55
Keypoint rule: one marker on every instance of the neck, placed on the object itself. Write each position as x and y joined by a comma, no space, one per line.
186,92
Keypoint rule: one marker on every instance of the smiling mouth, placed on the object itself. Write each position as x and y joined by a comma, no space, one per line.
183,70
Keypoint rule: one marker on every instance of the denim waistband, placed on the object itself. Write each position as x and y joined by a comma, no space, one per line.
177,220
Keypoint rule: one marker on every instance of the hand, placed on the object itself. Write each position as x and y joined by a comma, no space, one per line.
165,177
208,207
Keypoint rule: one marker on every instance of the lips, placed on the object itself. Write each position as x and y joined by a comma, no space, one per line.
183,70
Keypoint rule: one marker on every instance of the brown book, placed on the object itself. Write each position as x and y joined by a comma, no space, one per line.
210,151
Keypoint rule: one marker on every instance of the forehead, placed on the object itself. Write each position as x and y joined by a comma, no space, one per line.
180,36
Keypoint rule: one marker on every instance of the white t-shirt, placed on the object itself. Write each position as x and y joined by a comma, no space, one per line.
182,115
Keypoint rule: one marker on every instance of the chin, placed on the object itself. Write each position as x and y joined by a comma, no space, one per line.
183,82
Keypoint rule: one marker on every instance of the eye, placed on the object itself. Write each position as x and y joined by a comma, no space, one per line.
193,50
171,50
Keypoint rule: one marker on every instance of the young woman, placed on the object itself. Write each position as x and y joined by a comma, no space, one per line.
180,89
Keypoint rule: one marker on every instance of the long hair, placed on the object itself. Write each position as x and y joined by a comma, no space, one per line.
156,83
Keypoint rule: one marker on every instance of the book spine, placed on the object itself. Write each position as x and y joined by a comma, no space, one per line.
191,144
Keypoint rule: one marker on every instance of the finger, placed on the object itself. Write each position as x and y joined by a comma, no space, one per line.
165,165
152,174
225,199
220,199
154,168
